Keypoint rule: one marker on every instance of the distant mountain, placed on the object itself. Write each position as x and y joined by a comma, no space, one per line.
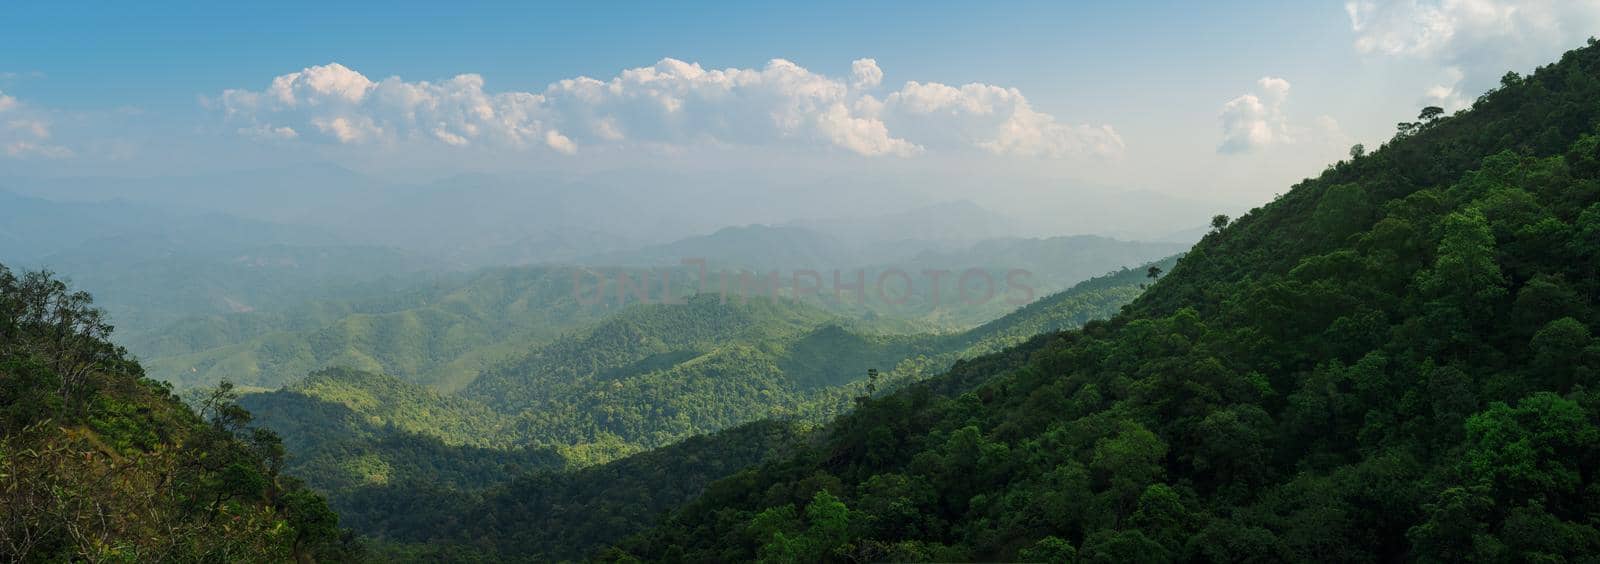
32,229
955,221
146,295
439,333
756,247
478,220
150,267
371,312
1040,266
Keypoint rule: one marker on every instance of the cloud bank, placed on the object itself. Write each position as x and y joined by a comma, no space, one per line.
670,104
1475,41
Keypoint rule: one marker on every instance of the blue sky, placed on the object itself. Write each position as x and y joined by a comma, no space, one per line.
1220,100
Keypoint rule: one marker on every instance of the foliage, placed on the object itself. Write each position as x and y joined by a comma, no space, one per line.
1393,361
99,463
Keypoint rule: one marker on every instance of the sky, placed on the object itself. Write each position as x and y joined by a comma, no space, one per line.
1228,101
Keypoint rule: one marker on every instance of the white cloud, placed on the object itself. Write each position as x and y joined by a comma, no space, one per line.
1245,125
26,132
555,140
1251,122
865,74
1476,41
670,104
1276,88
349,129
265,132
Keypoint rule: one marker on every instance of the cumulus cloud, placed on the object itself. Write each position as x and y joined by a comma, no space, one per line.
1276,89
1252,121
1475,41
672,103
865,74
26,133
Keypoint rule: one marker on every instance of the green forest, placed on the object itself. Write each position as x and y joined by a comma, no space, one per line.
651,376
100,464
1390,361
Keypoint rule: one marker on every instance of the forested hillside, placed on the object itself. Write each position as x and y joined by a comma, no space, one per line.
553,515
653,374
1390,362
99,463
378,444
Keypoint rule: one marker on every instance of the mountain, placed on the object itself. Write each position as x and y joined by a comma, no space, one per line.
1392,361
146,295
99,463
300,309
383,448
439,333
960,221
33,229
654,374
757,247
348,432
943,284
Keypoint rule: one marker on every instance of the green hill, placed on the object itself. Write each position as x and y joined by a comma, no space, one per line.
562,515
99,463
383,448
438,334
654,374
1393,361
348,431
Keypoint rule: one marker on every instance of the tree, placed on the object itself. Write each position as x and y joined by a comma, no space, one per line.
1430,113
1219,221
1153,272
1357,151
1049,549
40,315
1558,353
1465,274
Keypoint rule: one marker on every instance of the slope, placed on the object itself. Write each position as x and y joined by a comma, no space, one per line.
556,514
1392,361
99,463
654,374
